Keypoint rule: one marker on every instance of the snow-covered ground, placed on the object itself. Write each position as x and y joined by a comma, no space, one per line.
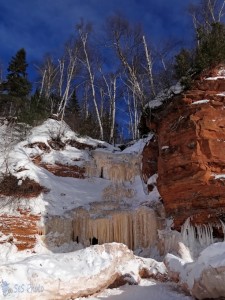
63,193
69,271
46,275
147,289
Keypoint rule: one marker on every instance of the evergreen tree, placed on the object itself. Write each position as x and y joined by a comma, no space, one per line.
211,49
183,63
183,67
17,83
35,111
73,113
73,105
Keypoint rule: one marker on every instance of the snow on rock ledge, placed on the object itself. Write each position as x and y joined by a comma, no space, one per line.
205,277
75,274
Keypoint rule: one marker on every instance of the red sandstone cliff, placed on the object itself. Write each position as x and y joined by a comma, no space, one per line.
188,151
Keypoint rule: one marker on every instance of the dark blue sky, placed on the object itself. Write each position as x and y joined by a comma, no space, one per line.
42,26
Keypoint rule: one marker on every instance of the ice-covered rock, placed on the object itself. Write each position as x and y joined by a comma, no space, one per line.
203,278
74,274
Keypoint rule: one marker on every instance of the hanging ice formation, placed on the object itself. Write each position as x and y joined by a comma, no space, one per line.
197,235
116,167
135,228
168,241
114,219
223,228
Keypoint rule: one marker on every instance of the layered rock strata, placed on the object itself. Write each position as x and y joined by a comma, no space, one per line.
188,152
20,230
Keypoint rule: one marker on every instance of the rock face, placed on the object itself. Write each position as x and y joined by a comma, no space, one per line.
20,230
188,152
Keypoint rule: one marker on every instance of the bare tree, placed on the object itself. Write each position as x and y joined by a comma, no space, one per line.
206,13
149,66
68,69
84,32
127,41
129,48
111,89
48,72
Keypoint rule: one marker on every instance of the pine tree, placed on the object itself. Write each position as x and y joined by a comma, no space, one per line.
211,50
183,63
17,83
73,112
35,111
73,104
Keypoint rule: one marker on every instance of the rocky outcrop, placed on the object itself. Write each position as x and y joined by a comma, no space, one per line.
20,230
190,139
65,171
27,188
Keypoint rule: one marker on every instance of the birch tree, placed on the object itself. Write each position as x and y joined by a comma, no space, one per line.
48,72
149,66
84,32
205,14
128,44
68,69
111,88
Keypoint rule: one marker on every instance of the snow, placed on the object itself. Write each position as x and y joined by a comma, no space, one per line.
70,156
71,192
61,269
153,179
219,176
220,75
165,147
165,95
48,275
213,257
54,129
50,269
221,94
138,146
154,194
146,289
215,78
63,193
200,101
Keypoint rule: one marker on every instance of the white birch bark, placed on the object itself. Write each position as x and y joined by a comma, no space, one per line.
84,37
149,64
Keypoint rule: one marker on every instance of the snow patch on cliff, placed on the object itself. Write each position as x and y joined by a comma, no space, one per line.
165,95
200,101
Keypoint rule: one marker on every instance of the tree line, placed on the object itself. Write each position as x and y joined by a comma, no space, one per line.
118,71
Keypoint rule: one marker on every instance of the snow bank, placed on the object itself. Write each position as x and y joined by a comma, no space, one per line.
145,290
205,277
71,275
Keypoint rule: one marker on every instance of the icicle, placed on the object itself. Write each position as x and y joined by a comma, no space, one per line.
116,167
136,229
205,235
223,228
193,236
188,234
